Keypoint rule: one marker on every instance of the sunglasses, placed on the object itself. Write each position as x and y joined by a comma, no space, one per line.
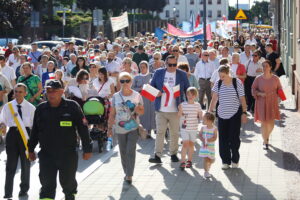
172,65
125,81
156,58
93,66
175,50
205,55
255,55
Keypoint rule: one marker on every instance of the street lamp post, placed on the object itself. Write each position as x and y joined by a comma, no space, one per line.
204,25
174,15
237,21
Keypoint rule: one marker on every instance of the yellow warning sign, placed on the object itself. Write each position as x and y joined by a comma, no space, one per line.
240,15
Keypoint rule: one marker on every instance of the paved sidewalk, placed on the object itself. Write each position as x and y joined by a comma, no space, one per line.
261,175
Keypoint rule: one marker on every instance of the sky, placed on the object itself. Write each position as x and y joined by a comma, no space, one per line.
233,2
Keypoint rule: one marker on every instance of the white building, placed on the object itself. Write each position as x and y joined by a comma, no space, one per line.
181,9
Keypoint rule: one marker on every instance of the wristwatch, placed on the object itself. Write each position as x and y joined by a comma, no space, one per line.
245,112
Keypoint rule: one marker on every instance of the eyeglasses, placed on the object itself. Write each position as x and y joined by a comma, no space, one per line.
93,66
156,58
172,65
125,81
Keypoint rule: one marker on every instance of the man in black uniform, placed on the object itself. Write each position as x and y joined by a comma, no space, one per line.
55,126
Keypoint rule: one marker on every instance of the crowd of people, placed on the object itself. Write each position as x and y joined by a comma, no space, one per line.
228,81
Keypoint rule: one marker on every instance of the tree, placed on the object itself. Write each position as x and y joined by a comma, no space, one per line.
117,5
14,13
260,9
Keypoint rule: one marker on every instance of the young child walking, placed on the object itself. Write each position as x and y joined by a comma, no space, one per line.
208,135
190,113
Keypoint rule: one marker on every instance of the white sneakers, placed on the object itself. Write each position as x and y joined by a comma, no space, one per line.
225,166
233,165
207,175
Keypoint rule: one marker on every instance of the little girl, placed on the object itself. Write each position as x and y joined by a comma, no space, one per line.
190,113
208,135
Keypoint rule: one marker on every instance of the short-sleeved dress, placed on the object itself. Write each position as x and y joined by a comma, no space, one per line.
266,108
209,151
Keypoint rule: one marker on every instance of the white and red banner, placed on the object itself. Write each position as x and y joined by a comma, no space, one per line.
180,33
149,92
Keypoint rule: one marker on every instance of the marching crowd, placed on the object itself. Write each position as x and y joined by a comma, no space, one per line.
228,81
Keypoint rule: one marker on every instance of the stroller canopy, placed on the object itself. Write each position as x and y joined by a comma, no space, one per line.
93,106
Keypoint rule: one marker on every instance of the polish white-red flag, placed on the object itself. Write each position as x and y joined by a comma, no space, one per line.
171,93
51,76
149,92
176,91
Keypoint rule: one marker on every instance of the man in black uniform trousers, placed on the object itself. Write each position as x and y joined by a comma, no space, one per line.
21,110
55,126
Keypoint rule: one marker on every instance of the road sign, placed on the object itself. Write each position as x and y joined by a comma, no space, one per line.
240,15
97,17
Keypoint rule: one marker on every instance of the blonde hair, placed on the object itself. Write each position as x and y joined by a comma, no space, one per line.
125,74
193,91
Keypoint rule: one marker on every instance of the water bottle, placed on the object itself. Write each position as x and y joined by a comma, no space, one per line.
109,144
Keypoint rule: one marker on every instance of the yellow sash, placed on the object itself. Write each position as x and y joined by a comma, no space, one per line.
21,127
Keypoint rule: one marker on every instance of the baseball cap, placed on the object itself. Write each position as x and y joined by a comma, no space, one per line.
54,84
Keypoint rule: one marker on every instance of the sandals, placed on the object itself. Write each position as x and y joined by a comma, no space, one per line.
182,165
189,164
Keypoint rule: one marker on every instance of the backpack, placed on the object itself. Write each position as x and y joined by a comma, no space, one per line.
219,86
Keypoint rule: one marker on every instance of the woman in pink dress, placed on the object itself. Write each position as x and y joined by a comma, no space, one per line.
265,91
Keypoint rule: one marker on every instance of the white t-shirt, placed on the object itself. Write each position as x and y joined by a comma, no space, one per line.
234,68
215,76
170,79
9,72
12,59
105,90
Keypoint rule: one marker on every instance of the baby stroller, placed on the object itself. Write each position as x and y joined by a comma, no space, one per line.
95,110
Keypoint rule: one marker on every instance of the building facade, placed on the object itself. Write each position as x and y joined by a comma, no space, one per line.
182,9
286,22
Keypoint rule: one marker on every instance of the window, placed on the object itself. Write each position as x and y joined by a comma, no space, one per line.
201,13
219,13
219,2
167,14
177,13
177,2
209,14
209,2
192,2
200,1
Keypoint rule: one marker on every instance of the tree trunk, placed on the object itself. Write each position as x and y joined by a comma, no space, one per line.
50,9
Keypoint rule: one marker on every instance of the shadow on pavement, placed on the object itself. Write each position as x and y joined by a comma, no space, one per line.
131,192
240,181
284,160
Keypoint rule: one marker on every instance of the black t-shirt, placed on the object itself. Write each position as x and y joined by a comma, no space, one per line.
272,57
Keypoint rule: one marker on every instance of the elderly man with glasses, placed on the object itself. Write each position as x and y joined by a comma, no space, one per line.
203,72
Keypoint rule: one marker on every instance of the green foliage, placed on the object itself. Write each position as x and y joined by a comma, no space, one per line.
261,8
105,5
